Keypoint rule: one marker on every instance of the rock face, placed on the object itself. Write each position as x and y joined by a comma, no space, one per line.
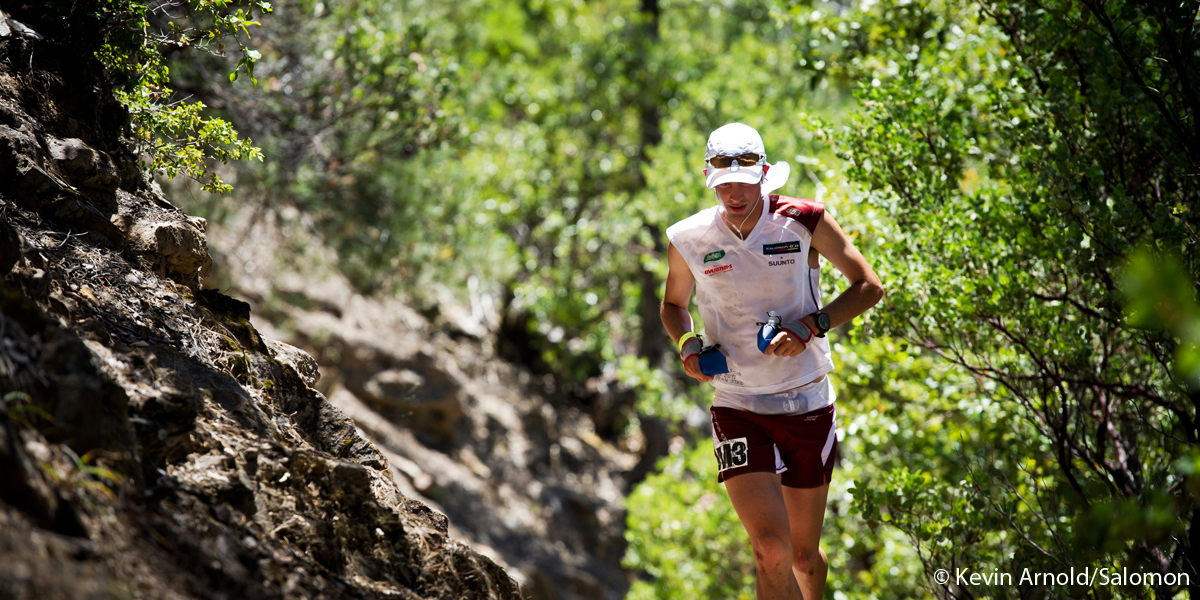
522,471
152,443
524,480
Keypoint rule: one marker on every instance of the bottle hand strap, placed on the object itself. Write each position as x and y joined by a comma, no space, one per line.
799,330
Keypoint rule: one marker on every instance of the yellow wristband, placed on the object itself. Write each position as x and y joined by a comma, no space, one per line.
687,336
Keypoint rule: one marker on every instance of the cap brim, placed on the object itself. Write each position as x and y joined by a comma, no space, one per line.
743,175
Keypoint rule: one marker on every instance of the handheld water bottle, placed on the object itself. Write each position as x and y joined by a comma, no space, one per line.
768,330
712,361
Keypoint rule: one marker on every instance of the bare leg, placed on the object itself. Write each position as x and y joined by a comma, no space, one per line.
759,502
806,514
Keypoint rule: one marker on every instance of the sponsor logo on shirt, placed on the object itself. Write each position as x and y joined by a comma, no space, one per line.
781,248
779,263
720,269
732,454
712,256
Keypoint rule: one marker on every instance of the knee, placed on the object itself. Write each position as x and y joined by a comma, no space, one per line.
806,559
771,551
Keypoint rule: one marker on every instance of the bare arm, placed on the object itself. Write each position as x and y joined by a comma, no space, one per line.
865,289
674,311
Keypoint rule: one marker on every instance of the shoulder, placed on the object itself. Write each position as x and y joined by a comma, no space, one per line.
693,225
807,213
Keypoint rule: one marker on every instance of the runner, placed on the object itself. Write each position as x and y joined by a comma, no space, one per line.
753,255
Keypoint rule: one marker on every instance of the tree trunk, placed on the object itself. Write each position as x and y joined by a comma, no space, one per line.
652,343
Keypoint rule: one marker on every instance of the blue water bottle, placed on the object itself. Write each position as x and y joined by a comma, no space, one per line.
712,361
768,330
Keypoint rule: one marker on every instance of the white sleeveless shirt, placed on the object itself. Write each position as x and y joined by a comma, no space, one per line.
739,281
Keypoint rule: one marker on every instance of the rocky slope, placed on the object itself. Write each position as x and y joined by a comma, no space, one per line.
523,479
153,444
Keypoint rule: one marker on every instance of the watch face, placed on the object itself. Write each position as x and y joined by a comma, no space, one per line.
823,321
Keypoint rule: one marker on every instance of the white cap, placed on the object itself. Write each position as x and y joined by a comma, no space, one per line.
736,139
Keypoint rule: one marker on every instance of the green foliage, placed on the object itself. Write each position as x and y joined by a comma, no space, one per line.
179,139
1020,161
684,535
908,421
350,94
541,148
1160,295
23,412
130,39
1004,179
84,474
1022,399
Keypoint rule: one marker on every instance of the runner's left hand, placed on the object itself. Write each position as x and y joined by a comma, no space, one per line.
785,344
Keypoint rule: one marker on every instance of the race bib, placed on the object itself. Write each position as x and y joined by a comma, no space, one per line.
732,454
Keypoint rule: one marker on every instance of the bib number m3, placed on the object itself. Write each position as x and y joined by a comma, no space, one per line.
732,454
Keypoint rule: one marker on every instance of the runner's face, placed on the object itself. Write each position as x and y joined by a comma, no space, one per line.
739,198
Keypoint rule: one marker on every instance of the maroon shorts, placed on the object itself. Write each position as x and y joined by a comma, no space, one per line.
801,447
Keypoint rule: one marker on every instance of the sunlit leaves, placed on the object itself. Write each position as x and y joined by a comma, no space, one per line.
684,534
129,38
1020,168
1160,295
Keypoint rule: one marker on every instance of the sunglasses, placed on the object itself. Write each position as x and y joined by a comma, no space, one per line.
745,160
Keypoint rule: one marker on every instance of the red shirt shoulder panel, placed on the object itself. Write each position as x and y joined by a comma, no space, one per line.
805,212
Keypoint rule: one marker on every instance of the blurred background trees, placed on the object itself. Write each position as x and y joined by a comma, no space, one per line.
1024,176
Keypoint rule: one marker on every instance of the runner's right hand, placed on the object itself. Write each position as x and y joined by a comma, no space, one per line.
692,367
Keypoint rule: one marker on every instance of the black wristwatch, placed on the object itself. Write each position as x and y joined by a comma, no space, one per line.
823,323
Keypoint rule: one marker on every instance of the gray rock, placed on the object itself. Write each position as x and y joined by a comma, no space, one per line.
27,182
175,249
10,247
433,410
22,29
83,166
304,364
